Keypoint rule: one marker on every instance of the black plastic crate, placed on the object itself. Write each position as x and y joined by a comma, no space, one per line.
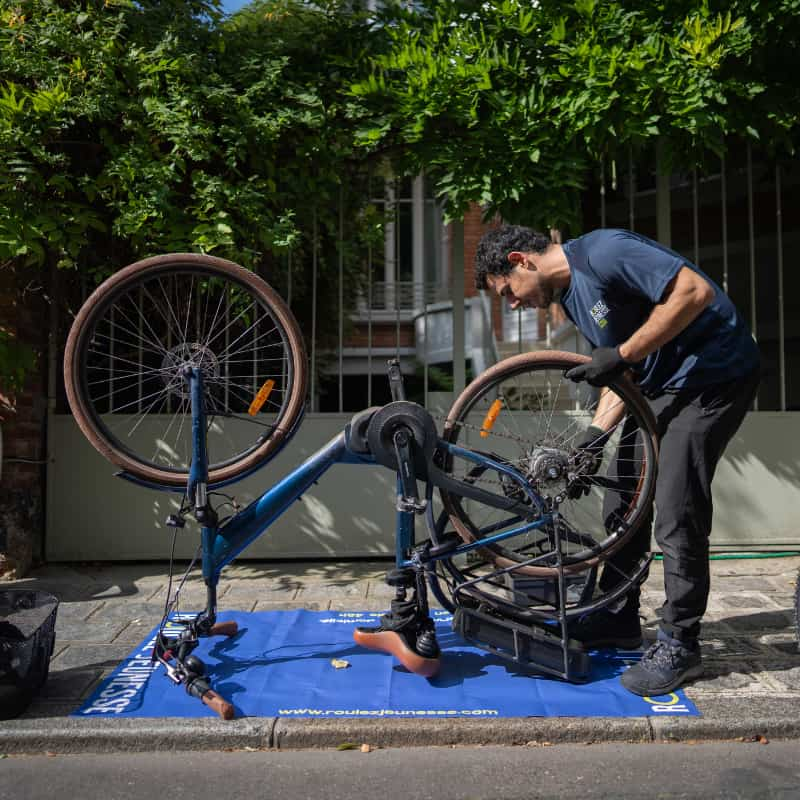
27,637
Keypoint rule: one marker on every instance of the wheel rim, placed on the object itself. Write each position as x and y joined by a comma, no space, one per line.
542,417
141,337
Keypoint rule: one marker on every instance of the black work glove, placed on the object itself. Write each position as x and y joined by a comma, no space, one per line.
606,366
587,458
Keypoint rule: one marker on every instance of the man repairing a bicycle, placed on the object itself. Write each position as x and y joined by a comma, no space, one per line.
646,309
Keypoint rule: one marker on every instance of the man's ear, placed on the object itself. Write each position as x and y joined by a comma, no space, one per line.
517,258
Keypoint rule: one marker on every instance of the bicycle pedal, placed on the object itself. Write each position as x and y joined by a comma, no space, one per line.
525,645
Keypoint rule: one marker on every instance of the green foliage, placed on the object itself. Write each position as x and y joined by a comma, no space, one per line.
439,380
16,360
134,128
508,104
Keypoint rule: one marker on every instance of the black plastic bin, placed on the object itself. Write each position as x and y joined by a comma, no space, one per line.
27,636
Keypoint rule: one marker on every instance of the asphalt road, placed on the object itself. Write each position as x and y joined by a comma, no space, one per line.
652,771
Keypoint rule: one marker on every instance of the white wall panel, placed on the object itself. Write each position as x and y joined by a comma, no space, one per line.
94,516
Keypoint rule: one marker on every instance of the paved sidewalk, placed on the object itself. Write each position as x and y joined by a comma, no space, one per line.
751,687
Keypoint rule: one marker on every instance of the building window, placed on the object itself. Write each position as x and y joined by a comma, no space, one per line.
411,268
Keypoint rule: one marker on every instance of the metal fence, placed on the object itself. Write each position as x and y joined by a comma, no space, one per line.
734,221
401,296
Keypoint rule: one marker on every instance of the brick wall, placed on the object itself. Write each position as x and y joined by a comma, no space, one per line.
383,335
23,311
474,228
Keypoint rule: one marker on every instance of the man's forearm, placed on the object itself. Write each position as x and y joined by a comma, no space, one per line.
683,301
610,410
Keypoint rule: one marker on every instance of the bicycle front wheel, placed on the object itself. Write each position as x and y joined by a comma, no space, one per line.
132,342
525,413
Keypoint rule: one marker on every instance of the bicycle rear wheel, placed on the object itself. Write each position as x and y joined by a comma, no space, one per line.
524,412
136,334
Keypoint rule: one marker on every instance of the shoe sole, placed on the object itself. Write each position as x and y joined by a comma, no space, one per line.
655,691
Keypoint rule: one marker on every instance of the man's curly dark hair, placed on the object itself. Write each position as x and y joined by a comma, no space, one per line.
491,258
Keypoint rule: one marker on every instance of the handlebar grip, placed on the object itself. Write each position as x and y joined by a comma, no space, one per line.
224,629
219,704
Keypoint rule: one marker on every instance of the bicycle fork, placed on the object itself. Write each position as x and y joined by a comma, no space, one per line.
175,653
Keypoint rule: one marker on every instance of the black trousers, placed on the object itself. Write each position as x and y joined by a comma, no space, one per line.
695,426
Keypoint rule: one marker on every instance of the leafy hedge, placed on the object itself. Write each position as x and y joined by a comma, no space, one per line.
133,128
509,104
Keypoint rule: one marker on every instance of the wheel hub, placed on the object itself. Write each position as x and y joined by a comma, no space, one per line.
547,465
191,355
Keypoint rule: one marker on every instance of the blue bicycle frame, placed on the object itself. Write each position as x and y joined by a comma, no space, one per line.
221,544
507,639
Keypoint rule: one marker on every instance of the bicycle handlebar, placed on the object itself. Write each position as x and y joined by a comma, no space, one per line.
198,686
229,628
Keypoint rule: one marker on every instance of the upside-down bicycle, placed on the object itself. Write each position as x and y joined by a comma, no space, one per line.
189,372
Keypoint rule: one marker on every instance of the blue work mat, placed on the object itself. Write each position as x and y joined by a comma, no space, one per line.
279,665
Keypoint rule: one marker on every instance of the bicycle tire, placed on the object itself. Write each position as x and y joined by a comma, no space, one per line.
641,498
233,285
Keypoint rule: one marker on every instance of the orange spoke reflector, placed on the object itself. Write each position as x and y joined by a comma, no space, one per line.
491,416
261,397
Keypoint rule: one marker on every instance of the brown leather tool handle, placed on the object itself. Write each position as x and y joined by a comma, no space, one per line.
224,629
219,704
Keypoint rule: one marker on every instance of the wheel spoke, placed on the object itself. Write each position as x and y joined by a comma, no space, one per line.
164,317
538,438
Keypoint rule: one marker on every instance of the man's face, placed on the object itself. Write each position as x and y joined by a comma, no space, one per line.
522,287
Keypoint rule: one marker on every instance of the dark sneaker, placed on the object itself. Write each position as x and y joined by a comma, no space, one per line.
622,630
665,666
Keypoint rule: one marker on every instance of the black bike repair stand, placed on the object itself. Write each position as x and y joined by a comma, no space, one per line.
508,632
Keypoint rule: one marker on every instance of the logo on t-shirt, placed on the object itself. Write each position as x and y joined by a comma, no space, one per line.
599,313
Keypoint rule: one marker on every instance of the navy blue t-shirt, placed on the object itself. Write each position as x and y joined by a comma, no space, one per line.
618,276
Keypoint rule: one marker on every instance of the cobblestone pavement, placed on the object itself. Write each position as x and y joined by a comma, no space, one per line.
750,651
